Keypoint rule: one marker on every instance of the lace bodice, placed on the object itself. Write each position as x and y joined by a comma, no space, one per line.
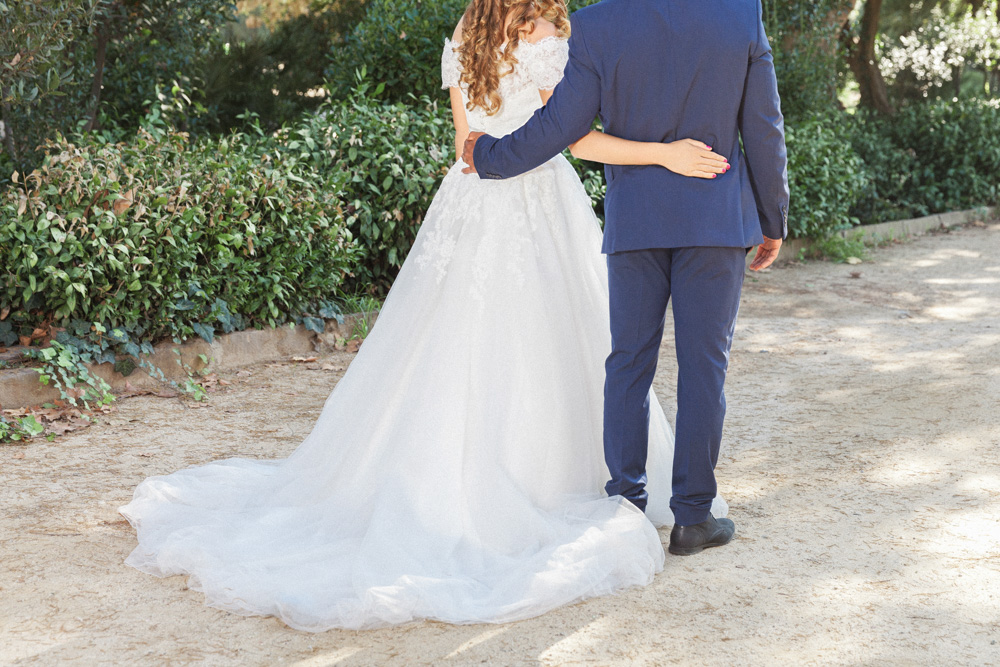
540,67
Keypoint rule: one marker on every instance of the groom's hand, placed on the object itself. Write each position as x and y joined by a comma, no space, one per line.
767,252
470,147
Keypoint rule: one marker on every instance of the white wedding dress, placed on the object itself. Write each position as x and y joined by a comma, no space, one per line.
456,471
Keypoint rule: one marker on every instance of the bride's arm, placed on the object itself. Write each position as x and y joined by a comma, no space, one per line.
458,106
459,119
686,157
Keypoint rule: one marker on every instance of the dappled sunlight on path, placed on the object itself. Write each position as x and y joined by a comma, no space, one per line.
861,463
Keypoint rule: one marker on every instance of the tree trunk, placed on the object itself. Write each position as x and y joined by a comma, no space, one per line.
8,126
100,54
864,64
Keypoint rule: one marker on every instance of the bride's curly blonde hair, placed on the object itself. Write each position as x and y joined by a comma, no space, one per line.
483,61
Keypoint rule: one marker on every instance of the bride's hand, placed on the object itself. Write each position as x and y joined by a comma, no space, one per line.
688,157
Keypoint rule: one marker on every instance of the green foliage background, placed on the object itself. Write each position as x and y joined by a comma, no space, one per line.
163,236
243,176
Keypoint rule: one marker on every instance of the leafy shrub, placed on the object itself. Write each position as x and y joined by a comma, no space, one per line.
936,56
890,191
956,147
592,176
154,44
165,236
389,158
144,48
825,177
399,43
275,75
804,35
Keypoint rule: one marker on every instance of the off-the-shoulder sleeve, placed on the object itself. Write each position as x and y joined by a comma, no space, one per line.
548,61
451,72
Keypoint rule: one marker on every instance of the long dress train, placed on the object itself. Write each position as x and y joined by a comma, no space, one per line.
456,471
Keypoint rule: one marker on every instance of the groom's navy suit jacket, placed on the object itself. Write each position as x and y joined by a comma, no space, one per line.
662,70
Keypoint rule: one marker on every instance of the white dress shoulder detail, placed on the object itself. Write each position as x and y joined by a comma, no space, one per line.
547,61
451,71
457,470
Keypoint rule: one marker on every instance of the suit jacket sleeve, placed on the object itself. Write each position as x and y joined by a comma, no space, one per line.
762,128
567,117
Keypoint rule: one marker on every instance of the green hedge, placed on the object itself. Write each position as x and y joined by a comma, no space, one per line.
163,236
929,158
956,146
389,159
891,190
825,176
399,43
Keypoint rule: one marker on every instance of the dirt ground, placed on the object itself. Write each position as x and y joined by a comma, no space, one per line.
862,464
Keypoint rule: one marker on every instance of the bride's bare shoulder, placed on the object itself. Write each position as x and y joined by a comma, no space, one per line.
543,28
457,35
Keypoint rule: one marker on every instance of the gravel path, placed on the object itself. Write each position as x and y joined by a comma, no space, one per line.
862,463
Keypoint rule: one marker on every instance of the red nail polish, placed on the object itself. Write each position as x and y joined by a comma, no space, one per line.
714,175
709,148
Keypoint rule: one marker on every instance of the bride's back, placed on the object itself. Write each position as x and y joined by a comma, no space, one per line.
539,66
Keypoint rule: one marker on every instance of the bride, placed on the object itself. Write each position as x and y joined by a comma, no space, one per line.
456,471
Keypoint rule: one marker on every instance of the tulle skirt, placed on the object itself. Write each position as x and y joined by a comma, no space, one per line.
456,471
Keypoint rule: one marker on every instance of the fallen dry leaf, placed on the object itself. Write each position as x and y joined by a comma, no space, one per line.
855,274
304,359
853,260
61,428
127,199
353,345
18,455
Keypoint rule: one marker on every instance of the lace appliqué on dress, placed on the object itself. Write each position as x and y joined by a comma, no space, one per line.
541,63
451,73
547,62
437,252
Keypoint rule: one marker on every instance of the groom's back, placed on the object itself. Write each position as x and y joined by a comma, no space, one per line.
675,69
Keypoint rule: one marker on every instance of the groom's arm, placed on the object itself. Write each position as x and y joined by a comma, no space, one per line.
762,128
566,117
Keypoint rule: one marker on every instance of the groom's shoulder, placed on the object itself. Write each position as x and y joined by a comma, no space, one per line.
596,15
596,8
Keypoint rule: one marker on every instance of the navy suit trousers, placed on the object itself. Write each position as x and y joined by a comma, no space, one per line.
704,284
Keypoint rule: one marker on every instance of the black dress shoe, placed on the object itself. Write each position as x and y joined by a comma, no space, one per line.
688,540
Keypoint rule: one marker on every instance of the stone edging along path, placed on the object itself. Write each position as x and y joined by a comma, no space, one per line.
898,229
20,387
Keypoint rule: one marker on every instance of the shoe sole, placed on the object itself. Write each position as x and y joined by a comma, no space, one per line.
690,551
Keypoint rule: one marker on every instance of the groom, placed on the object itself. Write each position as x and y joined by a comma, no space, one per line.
660,70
